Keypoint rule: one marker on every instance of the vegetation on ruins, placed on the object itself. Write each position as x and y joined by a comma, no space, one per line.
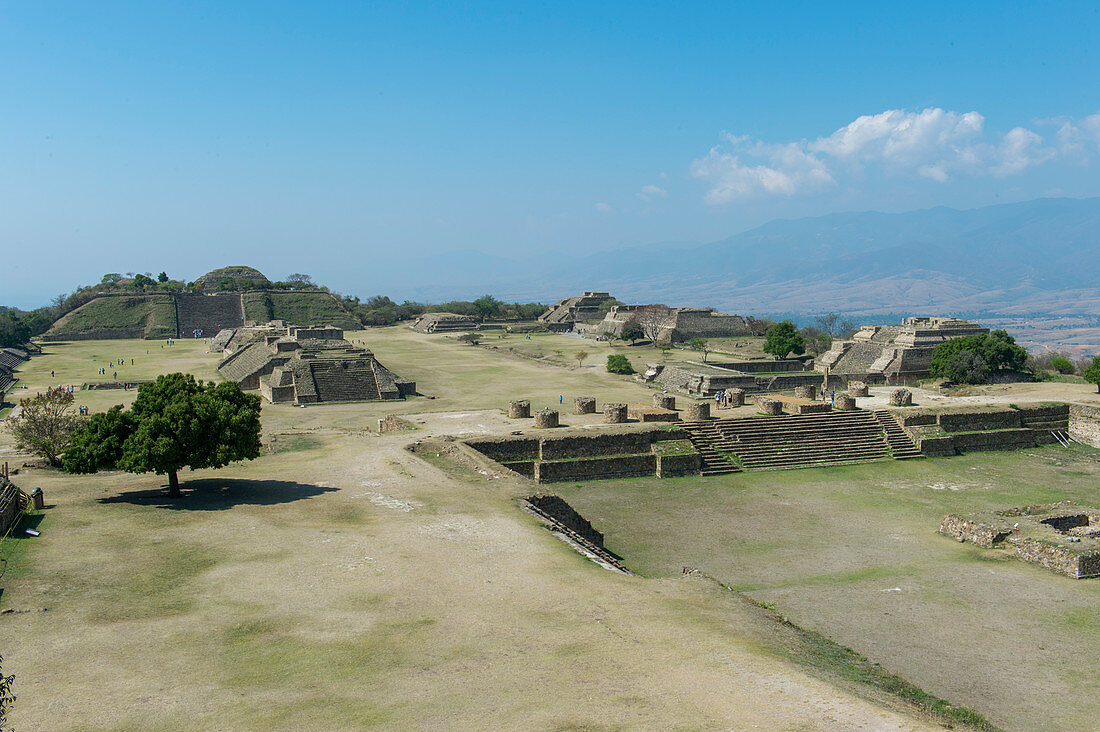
997,349
1062,365
472,338
783,339
619,364
1092,373
701,345
175,422
45,424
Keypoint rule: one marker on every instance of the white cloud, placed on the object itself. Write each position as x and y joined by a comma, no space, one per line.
603,207
649,192
933,143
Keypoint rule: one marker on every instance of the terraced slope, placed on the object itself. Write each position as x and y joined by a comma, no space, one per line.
297,308
118,316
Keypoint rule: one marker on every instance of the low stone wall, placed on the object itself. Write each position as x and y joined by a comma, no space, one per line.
994,440
962,529
806,391
596,468
595,444
643,413
936,446
769,406
519,409
523,467
546,418
11,502
845,403
393,423
858,389
991,419
811,408
584,405
1071,564
556,508
125,385
674,466
764,366
1084,424
507,449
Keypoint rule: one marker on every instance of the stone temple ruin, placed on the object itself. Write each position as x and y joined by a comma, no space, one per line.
578,309
671,325
894,353
1062,537
704,380
310,365
443,323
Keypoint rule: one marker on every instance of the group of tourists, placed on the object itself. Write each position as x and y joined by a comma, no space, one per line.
722,400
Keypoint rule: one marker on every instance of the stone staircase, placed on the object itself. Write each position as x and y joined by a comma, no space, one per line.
901,444
208,313
337,383
704,436
796,441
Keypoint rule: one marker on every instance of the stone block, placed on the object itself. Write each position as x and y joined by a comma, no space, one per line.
901,398
697,411
614,413
845,403
664,401
584,405
857,389
806,391
770,406
519,409
735,397
546,418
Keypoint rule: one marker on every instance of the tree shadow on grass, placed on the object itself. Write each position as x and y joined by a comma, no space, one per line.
218,494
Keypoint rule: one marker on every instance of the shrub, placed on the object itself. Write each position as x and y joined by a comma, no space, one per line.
966,367
619,364
1062,365
782,339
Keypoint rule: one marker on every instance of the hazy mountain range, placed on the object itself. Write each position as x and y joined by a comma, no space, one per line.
1012,259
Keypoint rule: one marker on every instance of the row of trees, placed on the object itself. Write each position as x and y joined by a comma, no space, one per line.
381,310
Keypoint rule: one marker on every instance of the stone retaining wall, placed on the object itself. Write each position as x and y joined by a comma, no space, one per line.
1084,424
556,508
507,449
962,529
393,423
1071,564
673,466
595,468
614,413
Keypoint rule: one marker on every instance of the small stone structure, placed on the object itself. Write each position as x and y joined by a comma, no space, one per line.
672,325
614,413
844,403
951,430
807,391
697,411
1084,424
664,401
393,423
545,418
519,409
697,379
566,313
858,389
443,323
770,406
735,397
901,398
584,405
643,413
1063,537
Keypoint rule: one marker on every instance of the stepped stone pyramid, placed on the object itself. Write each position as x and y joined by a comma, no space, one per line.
878,353
310,365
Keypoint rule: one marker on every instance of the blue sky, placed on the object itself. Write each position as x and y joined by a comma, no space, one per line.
317,136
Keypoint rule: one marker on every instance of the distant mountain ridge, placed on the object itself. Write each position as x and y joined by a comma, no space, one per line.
1032,257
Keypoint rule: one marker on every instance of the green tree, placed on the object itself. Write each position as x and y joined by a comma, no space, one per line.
700,344
487,306
782,339
142,281
162,277
619,364
632,332
966,367
1092,373
472,338
1062,365
14,330
46,424
175,422
998,349
580,356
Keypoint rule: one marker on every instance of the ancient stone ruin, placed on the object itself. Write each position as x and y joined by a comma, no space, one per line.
519,409
584,405
766,375
671,325
894,353
901,398
614,413
444,323
1063,537
572,310
546,418
310,365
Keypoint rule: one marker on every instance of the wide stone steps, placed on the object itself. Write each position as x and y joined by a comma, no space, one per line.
712,462
346,385
207,313
796,441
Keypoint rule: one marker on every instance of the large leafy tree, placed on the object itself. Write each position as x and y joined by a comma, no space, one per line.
997,349
632,332
45,424
782,339
14,329
174,423
1092,373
